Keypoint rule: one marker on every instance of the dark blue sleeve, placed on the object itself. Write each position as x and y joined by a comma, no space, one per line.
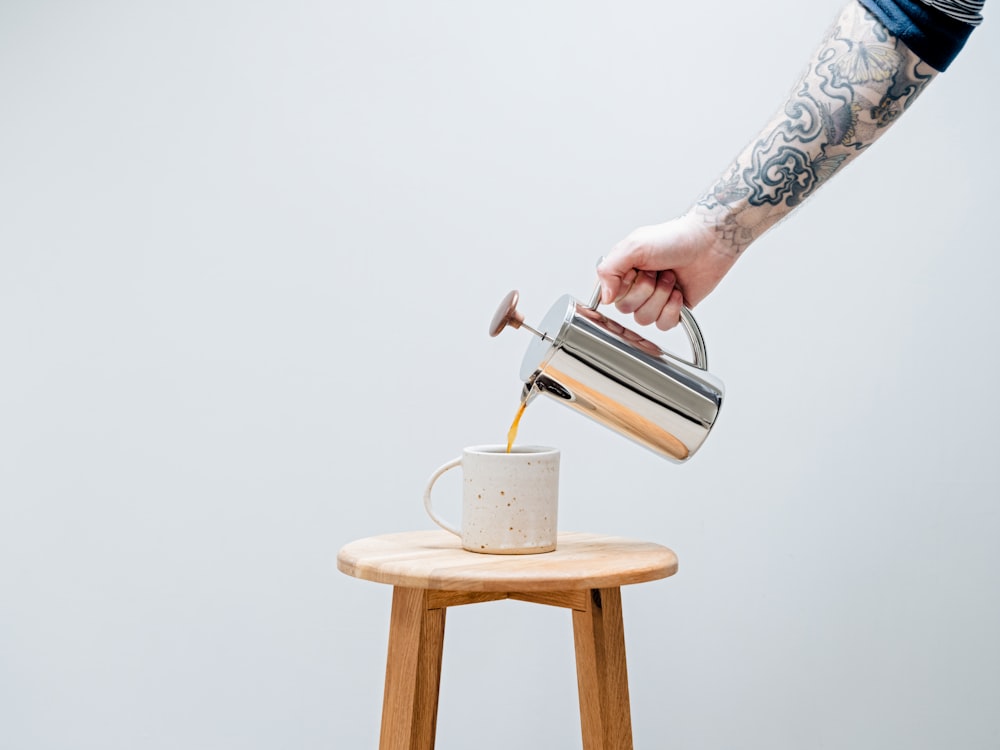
935,37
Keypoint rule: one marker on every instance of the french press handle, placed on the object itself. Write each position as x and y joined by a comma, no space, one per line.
698,352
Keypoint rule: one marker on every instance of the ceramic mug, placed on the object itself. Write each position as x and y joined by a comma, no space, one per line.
509,500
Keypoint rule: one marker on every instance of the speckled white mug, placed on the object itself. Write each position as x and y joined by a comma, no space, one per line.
509,500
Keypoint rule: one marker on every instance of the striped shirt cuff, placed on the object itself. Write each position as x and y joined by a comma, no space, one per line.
966,11
934,35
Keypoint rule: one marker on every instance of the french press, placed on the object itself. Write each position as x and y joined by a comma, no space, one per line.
596,366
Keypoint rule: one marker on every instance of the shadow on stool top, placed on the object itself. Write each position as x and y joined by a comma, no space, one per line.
436,560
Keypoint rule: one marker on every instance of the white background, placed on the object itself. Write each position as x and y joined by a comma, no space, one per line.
248,255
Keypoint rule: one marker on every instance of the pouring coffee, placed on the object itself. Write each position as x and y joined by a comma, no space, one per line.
598,367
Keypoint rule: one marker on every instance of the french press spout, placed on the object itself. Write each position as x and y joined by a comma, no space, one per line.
598,367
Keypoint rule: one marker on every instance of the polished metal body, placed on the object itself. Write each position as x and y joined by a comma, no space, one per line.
601,369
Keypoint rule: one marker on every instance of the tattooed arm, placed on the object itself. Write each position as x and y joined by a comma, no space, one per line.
858,82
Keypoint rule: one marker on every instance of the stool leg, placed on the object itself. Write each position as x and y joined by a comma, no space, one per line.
412,672
601,673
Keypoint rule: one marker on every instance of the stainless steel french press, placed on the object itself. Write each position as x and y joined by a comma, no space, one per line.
596,366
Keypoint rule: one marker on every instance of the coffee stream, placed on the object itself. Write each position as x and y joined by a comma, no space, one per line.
512,432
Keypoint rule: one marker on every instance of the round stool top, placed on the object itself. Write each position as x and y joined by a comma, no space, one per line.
436,560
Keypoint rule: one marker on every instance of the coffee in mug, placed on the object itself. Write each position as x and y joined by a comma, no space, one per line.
509,500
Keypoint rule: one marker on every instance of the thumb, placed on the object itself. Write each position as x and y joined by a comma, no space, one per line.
615,273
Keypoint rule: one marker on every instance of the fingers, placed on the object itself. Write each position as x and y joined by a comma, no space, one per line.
633,297
661,304
652,298
650,309
670,314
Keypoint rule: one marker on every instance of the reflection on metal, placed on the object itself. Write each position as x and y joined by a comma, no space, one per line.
611,374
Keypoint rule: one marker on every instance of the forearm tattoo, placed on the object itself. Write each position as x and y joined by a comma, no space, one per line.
859,81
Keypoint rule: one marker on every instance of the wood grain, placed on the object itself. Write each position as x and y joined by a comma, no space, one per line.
431,572
601,673
435,560
412,673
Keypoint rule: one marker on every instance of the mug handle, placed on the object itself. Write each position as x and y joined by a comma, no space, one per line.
427,496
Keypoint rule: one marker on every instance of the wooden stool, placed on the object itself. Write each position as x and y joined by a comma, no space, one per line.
430,572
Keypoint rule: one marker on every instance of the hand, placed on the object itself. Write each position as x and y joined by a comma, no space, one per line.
657,269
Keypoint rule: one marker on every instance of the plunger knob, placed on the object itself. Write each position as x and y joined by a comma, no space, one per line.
506,315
